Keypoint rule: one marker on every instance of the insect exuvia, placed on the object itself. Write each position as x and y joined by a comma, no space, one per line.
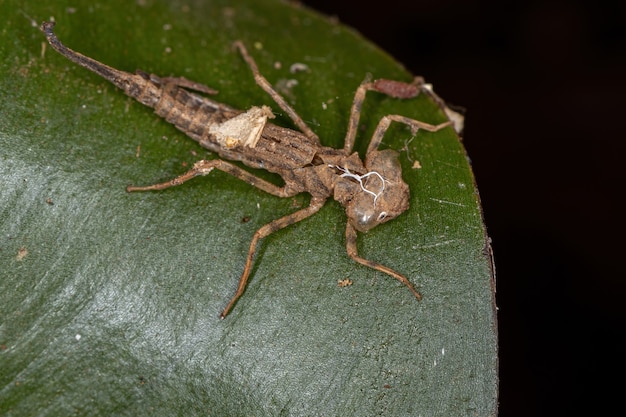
371,191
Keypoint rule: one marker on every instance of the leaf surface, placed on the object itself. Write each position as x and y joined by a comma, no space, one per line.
109,301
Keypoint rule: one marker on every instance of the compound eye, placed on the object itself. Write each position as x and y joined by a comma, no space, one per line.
382,216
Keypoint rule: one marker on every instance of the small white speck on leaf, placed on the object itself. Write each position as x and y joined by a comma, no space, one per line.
298,67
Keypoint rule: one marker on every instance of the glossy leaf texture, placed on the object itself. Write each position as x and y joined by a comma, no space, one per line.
109,301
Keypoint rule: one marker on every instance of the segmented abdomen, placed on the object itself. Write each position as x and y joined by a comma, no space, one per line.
278,149
190,113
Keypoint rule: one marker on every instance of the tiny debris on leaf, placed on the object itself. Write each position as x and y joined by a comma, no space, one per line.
344,282
298,67
21,253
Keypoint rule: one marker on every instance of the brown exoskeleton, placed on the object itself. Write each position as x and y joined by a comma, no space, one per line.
372,191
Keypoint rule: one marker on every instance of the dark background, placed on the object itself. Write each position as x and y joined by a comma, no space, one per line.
543,84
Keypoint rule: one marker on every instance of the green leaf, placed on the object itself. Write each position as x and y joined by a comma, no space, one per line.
109,301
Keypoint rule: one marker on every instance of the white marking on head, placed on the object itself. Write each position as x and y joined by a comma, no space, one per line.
359,178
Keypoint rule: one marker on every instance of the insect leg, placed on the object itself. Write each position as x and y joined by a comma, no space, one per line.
204,167
355,114
314,206
351,236
395,89
185,83
415,125
267,87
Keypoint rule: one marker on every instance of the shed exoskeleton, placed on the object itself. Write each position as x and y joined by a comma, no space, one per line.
371,191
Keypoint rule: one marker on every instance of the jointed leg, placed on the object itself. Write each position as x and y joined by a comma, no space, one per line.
267,87
204,167
176,82
355,115
353,253
264,231
415,125
185,83
395,89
